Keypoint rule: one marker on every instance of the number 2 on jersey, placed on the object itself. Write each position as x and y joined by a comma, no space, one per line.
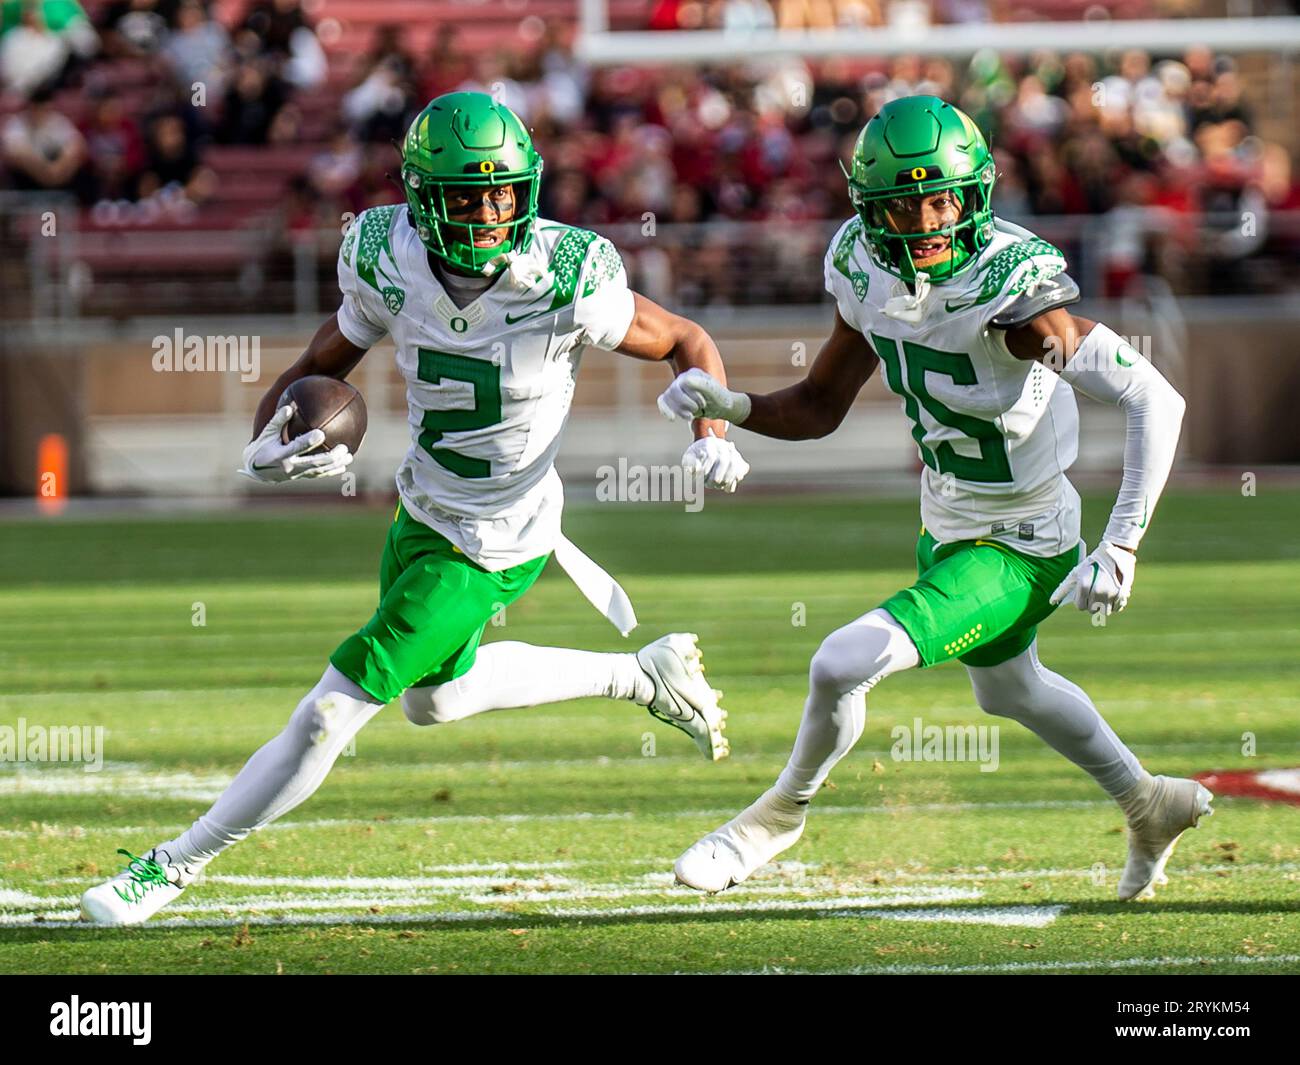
993,465
485,377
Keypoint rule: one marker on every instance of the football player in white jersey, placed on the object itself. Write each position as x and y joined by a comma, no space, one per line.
966,313
490,309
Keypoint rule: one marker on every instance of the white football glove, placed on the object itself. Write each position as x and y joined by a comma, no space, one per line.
718,460
1104,578
267,460
696,394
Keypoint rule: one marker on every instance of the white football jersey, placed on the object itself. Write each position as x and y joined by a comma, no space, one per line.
488,386
996,433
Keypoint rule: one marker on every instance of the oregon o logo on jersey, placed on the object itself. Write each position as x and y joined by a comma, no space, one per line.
458,324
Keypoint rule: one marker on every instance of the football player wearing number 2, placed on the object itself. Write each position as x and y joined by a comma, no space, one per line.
966,313
490,309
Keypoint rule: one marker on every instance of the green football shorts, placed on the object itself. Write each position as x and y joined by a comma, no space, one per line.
433,606
978,601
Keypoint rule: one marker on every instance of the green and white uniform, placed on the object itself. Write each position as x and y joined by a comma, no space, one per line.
488,390
488,387
996,435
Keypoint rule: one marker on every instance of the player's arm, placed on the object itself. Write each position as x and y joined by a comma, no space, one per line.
266,459
329,354
658,335
811,409
1094,360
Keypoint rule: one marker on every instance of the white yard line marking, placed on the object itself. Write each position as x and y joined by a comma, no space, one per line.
41,780
526,818
389,883
1032,966
862,907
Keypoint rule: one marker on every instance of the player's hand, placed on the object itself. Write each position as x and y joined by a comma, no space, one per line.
696,394
1103,579
268,460
718,460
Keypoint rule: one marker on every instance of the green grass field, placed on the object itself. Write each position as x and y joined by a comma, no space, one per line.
542,840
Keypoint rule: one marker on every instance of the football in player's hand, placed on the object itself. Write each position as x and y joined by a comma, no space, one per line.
334,407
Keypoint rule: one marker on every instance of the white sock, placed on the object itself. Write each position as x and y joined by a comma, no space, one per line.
511,674
847,665
1060,713
282,773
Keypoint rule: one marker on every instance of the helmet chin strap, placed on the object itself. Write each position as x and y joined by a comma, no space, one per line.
910,306
497,263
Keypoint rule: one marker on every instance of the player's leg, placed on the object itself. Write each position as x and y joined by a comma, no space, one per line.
847,665
967,594
281,774
1058,711
432,601
509,674
666,676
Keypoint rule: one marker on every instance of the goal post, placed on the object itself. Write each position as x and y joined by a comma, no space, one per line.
598,45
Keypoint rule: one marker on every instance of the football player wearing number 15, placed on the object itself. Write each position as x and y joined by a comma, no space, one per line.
490,309
966,313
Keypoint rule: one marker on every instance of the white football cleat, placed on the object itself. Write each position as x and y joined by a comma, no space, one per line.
1169,807
139,891
683,697
748,841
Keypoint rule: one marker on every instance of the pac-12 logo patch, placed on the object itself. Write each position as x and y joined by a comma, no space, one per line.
393,298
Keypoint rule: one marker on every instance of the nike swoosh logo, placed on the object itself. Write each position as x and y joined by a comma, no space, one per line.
950,306
511,319
1143,523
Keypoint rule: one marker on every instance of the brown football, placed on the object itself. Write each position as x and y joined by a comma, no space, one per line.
333,406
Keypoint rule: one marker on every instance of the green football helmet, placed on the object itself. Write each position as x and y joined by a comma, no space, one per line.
467,138
916,146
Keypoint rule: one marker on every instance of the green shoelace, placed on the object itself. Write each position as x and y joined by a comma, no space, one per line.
146,874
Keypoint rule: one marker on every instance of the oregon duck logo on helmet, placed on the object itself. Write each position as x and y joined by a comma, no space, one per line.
468,139
917,146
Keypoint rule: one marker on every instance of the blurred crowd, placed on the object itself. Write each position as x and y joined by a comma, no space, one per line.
1154,148
118,110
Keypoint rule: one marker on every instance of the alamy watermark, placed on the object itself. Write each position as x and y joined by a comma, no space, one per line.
55,743
945,743
631,483
179,353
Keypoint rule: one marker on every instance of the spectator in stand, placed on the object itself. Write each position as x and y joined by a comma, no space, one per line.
334,172
446,66
1220,100
282,30
32,55
1132,86
493,74
387,47
301,211
1235,211
44,151
253,99
199,50
562,86
173,172
65,19
274,22
382,101
114,146
136,27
